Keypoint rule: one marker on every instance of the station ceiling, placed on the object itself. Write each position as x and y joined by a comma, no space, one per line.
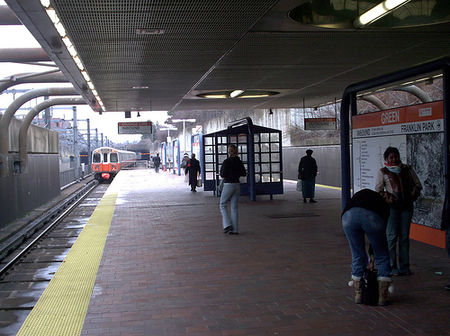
166,54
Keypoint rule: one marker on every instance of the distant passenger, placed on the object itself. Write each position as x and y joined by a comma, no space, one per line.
183,165
193,168
367,213
307,172
400,187
156,162
232,168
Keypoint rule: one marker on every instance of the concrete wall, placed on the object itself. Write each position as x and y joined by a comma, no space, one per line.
328,160
22,192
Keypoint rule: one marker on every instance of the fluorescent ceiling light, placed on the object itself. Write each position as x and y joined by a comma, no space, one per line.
52,15
378,12
215,96
139,87
91,86
236,93
60,28
85,75
45,3
255,95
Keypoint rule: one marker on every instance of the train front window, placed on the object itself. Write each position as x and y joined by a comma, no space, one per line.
113,157
96,158
105,157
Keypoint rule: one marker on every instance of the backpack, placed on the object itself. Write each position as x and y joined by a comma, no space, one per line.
369,287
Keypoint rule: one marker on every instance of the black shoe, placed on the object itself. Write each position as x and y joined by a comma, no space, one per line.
312,200
194,190
227,229
304,200
447,287
233,233
404,273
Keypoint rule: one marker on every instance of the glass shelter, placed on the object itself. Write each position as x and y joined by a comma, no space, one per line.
259,149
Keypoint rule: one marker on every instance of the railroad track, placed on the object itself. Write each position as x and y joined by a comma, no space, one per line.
25,273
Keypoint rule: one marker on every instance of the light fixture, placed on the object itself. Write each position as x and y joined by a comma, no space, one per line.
149,31
139,87
45,3
261,95
215,96
236,93
378,12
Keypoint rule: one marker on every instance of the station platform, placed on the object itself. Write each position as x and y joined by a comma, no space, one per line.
166,268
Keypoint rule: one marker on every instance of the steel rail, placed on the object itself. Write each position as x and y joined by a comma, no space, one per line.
56,221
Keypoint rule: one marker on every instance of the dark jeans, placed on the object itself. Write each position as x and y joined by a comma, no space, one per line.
397,230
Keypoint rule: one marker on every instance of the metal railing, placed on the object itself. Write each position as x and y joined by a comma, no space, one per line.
68,177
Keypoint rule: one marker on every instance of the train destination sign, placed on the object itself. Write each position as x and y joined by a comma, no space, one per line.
135,127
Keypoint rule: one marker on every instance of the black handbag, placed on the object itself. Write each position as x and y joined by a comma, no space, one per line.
369,287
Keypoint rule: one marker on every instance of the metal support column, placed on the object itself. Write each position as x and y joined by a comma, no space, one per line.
76,149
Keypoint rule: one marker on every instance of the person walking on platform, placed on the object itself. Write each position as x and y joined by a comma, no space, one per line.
193,168
183,165
400,186
367,213
156,162
232,168
307,172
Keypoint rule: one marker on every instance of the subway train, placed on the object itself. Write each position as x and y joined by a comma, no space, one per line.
107,161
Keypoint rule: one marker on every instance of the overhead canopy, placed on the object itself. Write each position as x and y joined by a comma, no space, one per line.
166,55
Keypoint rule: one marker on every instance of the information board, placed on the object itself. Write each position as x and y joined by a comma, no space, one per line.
417,132
135,127
316,124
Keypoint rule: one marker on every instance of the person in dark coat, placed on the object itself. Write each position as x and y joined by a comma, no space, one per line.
157,162
193,168
307,172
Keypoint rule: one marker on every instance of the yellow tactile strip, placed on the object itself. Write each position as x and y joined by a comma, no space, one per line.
62,307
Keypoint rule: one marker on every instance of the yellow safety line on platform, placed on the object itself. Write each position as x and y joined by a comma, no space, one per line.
319,185
63,305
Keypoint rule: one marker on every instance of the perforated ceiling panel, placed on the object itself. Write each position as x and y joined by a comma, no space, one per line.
193,36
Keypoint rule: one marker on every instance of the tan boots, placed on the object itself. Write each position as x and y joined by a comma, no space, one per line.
358,291
383,292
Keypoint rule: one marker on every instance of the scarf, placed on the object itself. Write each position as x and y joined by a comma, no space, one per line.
393,169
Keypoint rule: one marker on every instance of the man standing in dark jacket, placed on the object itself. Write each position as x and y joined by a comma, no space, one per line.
307,172
193,168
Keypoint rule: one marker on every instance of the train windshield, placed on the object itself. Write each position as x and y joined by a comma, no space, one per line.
96,158
113,157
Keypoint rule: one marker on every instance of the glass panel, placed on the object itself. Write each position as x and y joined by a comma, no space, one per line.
265,167
222,149
242,138
97,158
265,157
257,148
257,158
257,168
265,178
256,138
244,157
209,176
105,157
113,157
274,137
222,158
275,157
209,167
275,167
257,178
275,147
223,139
242,148
264,147
243,179
208,141
233,139
276,177
209,149
264,138
209,158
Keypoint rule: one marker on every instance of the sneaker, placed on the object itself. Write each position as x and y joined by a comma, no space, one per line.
304,200
405,273
227,229
447,287
233,233
312,200
394,272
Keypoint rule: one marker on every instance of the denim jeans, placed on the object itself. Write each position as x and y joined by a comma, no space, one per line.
398,230
230,193
357,222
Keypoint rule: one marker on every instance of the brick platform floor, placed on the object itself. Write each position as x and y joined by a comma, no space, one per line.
168,269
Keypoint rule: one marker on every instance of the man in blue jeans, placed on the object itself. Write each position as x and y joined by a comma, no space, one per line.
367,213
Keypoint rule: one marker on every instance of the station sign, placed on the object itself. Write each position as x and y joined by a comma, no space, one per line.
135,127
319,124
